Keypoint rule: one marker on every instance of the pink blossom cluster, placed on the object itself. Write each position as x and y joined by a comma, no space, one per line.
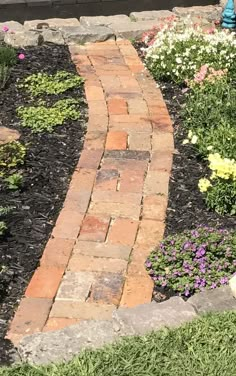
208,74
149,37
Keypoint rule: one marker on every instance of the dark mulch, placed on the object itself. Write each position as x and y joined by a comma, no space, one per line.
186,207
49,164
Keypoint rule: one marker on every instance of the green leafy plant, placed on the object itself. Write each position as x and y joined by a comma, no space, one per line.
42,83
4,75
3,228
11,155
8,56
14,181
3,212
193,261
42,118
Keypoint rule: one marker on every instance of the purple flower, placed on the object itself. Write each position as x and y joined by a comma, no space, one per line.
223,280
195,233
213,285
148,264
187,245
187,293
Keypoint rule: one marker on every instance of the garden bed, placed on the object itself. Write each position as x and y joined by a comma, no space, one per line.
49,164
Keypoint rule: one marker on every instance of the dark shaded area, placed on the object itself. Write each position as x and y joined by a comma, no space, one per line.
50,161
22,10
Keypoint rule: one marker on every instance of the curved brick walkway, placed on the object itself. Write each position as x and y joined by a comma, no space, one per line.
115,208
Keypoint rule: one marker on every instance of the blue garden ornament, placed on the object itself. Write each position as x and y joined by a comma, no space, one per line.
229,16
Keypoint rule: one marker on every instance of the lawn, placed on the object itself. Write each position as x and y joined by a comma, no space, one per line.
206,347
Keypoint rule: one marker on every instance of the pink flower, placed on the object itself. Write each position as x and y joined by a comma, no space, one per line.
5,29
21,56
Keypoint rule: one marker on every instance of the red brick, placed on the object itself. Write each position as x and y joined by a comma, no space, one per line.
83,180
57,252
138,167
116,140
68,224
115,209
161,161
137,106
57,323
117,106
131,181
97,123
94,228
96,264
45,282
77,200
117,196
162,142
150,232
30,316
95,140
154,207
97,107
90,159
162,122
106,250
107,180
94,93
139,127
123,231
137,290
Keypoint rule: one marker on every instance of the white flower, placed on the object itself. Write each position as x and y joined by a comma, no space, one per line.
186,141
178,60
190,134
209,147
194,139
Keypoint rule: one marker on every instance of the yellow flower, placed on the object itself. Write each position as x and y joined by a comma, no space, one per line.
223,168
194,139
190,134
186,141
204,184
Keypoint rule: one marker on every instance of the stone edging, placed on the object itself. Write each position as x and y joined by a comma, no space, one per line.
94,29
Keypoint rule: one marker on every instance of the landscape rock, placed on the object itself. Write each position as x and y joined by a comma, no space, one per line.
62,345
232,285
12,25
216,300
147,317
8,135
83,34
210,12
22,39
150,15
223,3
51,23
103,20
53,36
133,30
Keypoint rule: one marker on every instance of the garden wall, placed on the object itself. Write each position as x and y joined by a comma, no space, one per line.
21,10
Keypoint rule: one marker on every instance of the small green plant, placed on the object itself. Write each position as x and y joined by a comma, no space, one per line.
42,118
3,228
42,83
11,155
3,212
4,75
192,261
14,181
8,56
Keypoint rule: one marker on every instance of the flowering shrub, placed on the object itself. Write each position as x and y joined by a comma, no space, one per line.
176,53
220,189
193,261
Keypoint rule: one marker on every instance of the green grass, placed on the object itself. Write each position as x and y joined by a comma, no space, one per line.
206,347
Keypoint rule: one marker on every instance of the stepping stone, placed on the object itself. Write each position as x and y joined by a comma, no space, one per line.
8,135
216,300
104,21
210,12
51,23
83,34
150,15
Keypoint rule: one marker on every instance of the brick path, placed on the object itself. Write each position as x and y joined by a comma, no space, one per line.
114,211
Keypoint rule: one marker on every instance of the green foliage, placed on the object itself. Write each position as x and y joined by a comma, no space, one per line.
203,347
221,196
7,56
3,228
210,113
4,75
14,181
3,212
11,155
42,118
42,83
193,261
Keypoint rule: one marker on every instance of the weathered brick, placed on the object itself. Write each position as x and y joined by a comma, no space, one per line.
107,180
83,180
154,207
57,252
137,106
82,311
125,164
161,161
157,182
116,251
96,264
90,159
117,106
123,231
68,224
94,228
77,200
162,142
121,197
162,122
115,209
116,140
107,289
137,290
97,123
97,107
139,127
150,232
128,154
30,316
131,182
76,286
95,140
139,141
45,282
94,93
57,323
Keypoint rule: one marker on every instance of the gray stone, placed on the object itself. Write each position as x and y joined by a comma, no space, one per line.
55,23
232,285
133,30
103,21
150,15
223,3
62,345
210,12
53,36
216,300
22,39
83,35
12,25
147,317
